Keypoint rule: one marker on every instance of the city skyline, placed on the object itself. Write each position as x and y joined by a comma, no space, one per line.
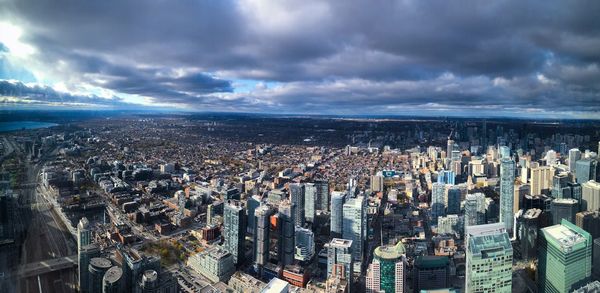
517,59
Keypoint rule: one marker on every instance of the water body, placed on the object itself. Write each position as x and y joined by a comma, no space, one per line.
21,125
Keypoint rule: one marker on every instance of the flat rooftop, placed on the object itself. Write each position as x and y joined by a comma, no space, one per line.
563,236
341,242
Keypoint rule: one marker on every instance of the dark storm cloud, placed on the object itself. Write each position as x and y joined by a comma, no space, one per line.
15,92
349,54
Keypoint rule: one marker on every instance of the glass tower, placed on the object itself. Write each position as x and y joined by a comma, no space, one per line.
507,192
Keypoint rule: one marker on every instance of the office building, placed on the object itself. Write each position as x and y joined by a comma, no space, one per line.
214,263
287,232
564,259
591,287
585,170
97,268
474,209
488,259
454,198
84,238
373,278
339,252
153,282
590,222
262,236
390,271
576,192
564,208
507,181
134,265
574,156
446,177
85,254
590,197
297,196
431,272
322,194
337,209
355,227
234,229
112,280
310,202
559,183
529,223
438,207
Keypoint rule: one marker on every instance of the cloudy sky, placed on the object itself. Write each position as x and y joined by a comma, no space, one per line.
477,58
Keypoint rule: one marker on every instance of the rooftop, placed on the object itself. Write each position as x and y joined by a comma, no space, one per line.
565,235
341,242
113,274
431,261
390,252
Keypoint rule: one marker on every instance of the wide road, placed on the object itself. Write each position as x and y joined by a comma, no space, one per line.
47,237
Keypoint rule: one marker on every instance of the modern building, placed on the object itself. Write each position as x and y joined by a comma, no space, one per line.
112,282
376,183
337,211
454,198
391,264
449,224
296,275
431,272
215,263
529,224
310,202
234,229
305,244
253,202
559,184
355,227
507,189
574,156
438,206
585,170
541,179
287,232
446,177
488,259
590,222
339,252
262,236
84,238
97,268
564,208
474,209
85,254
153,282
373,278
322,194
134,265
592,287
590,197
565,258
297,196
244,283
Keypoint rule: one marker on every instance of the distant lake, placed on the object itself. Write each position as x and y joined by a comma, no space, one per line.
19,125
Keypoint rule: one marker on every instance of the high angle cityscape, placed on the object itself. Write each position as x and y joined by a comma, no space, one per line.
284,146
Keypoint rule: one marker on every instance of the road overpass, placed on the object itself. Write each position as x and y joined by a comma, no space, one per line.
47,266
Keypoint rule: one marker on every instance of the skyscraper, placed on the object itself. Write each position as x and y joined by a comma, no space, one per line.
565,258
339,252
590,197
504,152
474,209
252,203
438,207
337,208
287,237
488,259
354,227
541,179
559,183
390,271
529,223
454,197
322,194
85,254
585,170
373,278
507,189
310,202
261,236
297,198
234,229
431,272
564,208
84,238
574,156
305,244
376,183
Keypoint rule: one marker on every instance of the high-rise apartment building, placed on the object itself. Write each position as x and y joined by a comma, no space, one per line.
590,197
337,209
564,208
507,181
438,207
541,179
574,156
84,238
339,252
355,227
234,229
310,202
287,230
474,209
297,197
585,170
389,270
322,202
262,236
454,199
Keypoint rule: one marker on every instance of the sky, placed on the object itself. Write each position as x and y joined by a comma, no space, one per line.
346,57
